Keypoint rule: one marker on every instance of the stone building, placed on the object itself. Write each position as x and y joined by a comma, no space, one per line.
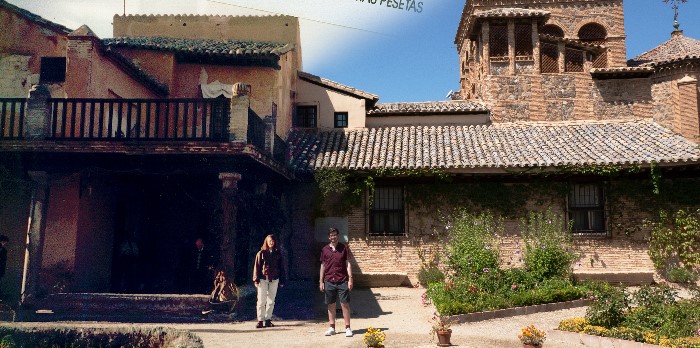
187,126
545,92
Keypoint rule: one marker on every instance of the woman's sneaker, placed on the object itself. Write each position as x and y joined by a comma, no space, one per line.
348,332
330,331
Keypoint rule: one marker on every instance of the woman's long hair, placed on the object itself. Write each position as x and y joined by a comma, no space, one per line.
265,247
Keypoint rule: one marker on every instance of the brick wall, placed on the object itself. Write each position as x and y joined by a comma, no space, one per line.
622,251
564,97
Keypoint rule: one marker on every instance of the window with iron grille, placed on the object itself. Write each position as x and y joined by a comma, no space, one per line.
498,40
53,69
573,60
552,30
386,216
523,39
220,114
600,60
586,208
340,120
595,34
306,116
549,58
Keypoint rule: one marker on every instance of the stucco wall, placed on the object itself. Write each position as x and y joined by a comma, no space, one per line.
61,222
160,65
92,75
281,29
262,82
23,43
328,102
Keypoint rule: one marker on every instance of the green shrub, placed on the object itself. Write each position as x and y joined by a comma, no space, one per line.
548,247
608,307
681,319
572,324
8,341
472,248
653,296
429,275
105,338
681,275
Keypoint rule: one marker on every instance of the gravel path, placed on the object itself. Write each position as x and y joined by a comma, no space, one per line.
397,311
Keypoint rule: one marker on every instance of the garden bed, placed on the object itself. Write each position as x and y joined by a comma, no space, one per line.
509,312
584,340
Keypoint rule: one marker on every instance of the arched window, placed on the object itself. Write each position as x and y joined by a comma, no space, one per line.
595,34
552,30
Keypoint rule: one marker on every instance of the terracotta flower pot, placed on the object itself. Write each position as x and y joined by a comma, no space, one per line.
444,338
532,346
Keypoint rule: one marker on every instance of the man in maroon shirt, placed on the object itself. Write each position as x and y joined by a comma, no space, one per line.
336,280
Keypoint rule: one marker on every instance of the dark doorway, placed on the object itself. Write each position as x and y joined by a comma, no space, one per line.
157,220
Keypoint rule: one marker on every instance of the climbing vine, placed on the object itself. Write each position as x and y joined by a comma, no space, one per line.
626,188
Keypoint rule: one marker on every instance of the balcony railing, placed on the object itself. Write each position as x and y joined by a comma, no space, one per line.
12,117
134,119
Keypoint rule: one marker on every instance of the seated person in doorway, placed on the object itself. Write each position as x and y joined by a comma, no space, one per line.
225,294
201,261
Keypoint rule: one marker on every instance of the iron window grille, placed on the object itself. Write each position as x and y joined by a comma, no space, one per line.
498,41
306,116
387,212
523,40
586,209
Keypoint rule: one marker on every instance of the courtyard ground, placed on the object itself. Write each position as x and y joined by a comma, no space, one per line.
301,322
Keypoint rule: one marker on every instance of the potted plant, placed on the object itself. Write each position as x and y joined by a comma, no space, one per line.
374,337
532,337
441,327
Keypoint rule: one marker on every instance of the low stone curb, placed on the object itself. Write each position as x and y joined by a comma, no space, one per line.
594,341
510,312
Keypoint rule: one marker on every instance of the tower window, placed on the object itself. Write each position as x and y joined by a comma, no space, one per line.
498,40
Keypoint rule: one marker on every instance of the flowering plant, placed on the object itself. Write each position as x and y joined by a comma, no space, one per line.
532,336
374,337
440,323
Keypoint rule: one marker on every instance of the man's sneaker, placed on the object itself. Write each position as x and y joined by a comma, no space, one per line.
330,331
348,332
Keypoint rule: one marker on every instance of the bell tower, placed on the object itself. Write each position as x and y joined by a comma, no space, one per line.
536,37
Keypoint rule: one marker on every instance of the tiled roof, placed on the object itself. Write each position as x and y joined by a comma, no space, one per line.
35,18
434,107
498,146
679,47
337,86
231,51
510,12
622,72
572,43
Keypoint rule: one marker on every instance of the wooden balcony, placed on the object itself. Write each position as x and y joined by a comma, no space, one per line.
122,122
